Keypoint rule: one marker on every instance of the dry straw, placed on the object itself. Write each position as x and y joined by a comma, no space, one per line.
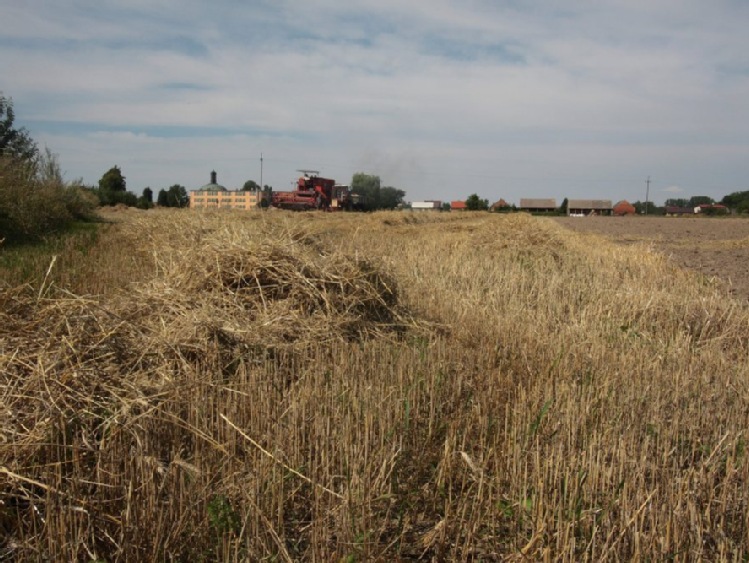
370,387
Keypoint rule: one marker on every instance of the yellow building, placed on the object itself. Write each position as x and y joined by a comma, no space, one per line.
216,195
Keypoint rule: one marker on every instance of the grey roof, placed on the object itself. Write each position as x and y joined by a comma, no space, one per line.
589,204
538,203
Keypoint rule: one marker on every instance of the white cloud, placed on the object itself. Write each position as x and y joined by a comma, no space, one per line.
673,190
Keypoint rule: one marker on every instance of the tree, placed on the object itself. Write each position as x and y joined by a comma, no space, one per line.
475,203
563,208
445,206
367,187
145,201
373,196
251,186
697,200
177,196
652,209
390,197
677,202
738,201
15,143
113,181
113,189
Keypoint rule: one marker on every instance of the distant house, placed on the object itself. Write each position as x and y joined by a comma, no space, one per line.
538,205
499,205
623,208
675,211
585,207
428,205
458,206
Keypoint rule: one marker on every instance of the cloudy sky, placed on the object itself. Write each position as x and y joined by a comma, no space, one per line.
441,98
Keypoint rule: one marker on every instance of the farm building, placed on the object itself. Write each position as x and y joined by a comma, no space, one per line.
499,205
214,194
458,206
538,205
585,207
623,208
674,211
712,209
426,205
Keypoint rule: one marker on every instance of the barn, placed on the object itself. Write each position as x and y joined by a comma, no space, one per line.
676,211
538,205
585,207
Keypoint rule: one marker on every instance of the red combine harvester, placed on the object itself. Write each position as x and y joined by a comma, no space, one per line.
313,192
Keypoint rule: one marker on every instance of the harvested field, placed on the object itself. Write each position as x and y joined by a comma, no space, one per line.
717,248
380,387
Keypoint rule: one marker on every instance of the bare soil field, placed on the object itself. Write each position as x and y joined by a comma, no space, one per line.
716,248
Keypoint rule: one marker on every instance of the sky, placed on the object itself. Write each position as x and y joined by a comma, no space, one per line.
441,98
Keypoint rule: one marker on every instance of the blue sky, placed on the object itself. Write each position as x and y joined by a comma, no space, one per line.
440,98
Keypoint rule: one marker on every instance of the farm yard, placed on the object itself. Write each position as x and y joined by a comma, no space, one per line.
230,386
716,248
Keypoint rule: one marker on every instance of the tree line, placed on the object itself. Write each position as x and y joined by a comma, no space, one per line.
736,202
112,190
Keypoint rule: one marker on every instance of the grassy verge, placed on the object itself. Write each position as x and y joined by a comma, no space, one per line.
29,263
87,258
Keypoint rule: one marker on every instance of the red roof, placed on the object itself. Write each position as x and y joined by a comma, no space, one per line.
458,205
624,208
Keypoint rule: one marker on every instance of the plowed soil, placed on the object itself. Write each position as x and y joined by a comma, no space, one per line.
715,247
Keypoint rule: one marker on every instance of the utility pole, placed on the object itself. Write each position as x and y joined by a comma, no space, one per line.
261,172
647,194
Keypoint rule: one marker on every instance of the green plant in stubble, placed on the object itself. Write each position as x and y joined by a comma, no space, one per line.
536,424
740,448
222,517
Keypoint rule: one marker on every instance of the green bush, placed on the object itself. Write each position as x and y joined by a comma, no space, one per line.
35,202
80,202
